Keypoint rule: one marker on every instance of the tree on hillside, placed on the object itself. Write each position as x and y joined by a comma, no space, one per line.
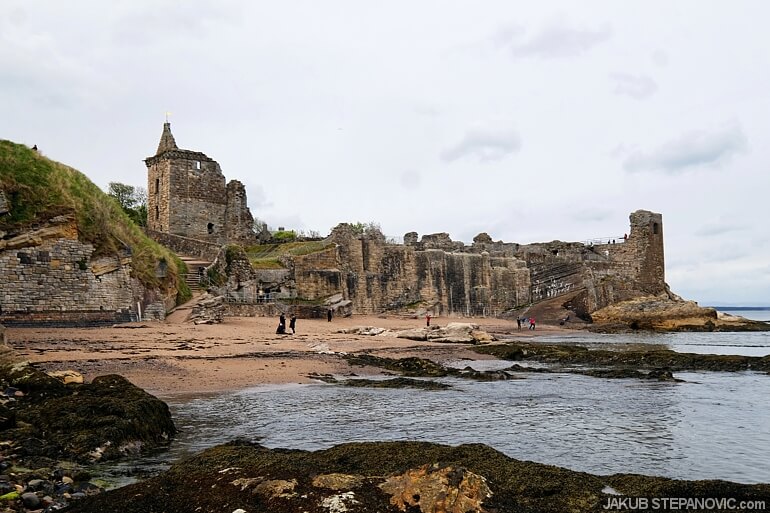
133,201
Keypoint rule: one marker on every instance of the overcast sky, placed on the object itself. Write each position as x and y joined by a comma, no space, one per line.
531,121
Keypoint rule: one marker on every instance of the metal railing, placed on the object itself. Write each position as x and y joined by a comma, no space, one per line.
605,240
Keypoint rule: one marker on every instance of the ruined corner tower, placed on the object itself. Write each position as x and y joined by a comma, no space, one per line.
187,196
646,244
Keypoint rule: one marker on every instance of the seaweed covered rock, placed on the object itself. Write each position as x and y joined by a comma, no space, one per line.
388,477
107,418
661,360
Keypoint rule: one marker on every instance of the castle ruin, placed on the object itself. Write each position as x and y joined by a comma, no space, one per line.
187,197
191,210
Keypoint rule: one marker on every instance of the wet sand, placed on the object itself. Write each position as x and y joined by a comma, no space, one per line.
174,357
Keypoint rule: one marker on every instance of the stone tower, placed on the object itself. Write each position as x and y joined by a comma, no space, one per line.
646,241
187,196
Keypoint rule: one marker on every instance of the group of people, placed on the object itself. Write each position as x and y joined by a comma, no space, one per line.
531,320
282,325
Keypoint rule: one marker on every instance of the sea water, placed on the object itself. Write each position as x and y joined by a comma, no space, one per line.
715,425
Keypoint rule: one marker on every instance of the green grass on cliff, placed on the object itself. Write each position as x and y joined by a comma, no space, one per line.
267,256
39,189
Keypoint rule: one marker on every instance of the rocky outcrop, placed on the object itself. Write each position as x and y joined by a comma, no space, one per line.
660,360
106,419
389,477
661,313
454,332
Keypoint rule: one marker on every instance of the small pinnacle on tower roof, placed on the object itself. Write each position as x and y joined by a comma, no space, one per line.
167,141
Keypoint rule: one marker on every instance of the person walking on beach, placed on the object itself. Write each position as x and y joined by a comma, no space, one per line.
518,322
293,324
532,323
329,315
427,320
281,325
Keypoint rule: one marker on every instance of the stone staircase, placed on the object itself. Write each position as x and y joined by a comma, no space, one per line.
195,269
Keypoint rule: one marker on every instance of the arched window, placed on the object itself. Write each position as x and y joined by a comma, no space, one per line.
654,228
157,185
211,228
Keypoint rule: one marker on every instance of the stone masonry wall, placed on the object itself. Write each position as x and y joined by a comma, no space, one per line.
317,275
238,221
186,246
57,283
197,200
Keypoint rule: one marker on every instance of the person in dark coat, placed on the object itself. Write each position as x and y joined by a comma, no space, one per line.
329,315
281,325
293,324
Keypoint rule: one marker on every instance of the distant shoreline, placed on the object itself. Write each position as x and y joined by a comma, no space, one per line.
747,308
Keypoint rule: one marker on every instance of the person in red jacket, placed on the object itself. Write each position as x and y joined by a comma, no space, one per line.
531,323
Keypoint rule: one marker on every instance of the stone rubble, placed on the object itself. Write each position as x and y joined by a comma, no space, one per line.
209,310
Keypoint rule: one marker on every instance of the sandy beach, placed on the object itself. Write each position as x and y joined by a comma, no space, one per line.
175,357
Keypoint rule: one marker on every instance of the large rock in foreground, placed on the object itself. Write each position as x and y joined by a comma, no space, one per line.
389,477
107,418
665,314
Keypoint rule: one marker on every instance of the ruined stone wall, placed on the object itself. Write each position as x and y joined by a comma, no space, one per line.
486,278
56,282
238,221
198,197
317,275
378,276
186,246
646,241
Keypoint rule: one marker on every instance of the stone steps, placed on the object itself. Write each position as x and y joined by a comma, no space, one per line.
195,266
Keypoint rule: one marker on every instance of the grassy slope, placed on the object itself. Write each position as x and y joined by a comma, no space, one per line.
266,256
39,189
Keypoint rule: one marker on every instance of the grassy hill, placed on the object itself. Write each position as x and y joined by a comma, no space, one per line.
39,189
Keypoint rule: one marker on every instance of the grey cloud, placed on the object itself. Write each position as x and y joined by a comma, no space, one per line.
168,20
635,86
257,196
711,230
592,214
690,150
410,179
556,40
487,145
660,58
